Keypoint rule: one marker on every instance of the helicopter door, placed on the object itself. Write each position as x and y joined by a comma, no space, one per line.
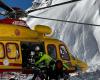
28,51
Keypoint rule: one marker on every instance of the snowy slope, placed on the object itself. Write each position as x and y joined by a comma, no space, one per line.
82,40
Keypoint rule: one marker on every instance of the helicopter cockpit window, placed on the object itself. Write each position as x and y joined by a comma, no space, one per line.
12,50
1,51
63,52
52,50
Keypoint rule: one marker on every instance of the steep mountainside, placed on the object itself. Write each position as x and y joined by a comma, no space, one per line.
82,40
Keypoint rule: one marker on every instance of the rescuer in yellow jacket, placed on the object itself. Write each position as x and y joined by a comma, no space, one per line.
44,57
54,67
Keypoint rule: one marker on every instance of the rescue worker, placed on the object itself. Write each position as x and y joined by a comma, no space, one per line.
38,66
48,63
54,68
45,58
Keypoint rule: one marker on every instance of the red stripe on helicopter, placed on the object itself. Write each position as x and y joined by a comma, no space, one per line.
14,64
11,64
10,70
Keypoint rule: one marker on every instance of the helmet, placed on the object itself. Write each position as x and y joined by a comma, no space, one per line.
32,53
37,48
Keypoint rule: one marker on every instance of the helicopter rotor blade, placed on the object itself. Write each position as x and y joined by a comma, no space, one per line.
52,6
4,6
63,20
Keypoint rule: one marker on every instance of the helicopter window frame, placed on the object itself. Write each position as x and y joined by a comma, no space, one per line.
64,53
3,51
17,52
54,46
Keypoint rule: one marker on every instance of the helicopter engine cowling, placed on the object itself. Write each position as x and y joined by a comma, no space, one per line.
43,30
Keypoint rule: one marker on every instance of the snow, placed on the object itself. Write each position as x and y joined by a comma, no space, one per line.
82,40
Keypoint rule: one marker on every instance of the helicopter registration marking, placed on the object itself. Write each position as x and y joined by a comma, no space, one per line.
6,62
21,23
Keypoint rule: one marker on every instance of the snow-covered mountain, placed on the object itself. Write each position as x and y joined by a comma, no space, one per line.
82,40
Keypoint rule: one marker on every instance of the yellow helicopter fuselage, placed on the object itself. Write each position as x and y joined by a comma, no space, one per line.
12,39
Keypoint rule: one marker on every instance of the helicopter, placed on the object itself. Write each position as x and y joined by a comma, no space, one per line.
17,41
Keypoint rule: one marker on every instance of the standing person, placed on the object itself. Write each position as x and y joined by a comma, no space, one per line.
38,64
49,64
59,69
